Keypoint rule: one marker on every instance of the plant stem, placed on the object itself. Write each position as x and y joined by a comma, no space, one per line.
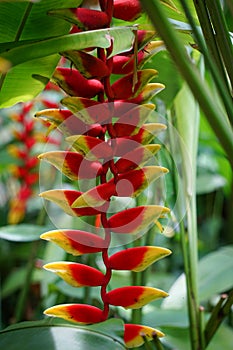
221,84
222,35
214,114
218,314
22,301
210,38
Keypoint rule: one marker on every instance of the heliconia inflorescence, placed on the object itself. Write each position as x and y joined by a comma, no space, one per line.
105,124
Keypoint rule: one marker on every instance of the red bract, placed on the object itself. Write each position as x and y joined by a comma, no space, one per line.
88,65
85,19
106,125
77,275
74,84
81,313
75,242
128,10
73,164
136,334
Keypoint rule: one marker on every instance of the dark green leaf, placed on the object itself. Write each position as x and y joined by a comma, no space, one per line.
22,232
23,20
62,336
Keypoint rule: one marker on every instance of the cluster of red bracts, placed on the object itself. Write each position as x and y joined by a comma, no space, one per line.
110,142
25,169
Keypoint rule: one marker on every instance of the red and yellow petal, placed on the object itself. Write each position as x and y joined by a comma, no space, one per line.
75,242
73,164
74,84
93,148
124,87
134,297
147,93
88,65
132,120
136,158
137,219
134,182
89,111
77,275
137,258
85,19
96,196
127,10
135,334
147,133
65,198
80,313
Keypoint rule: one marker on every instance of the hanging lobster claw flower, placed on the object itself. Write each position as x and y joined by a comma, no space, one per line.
77,275
134,220
136,158
134,297
127,10
135,334
137,258
65,198
74,84
89,111
75,242
88,65
91,147
73,164
124,88
85,19
81,313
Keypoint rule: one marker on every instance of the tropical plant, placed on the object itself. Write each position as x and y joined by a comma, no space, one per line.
109,51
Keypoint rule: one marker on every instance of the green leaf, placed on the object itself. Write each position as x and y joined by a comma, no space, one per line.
28,21
53,335
215,276
22,232
207,183
27,59
16,279
178,338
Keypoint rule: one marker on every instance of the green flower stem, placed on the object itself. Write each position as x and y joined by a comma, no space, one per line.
221,84
214,114
202,327
157,342
210,38
219,312
22,301
222,35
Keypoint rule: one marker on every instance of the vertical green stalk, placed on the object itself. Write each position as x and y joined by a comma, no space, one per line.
214,114
222,35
